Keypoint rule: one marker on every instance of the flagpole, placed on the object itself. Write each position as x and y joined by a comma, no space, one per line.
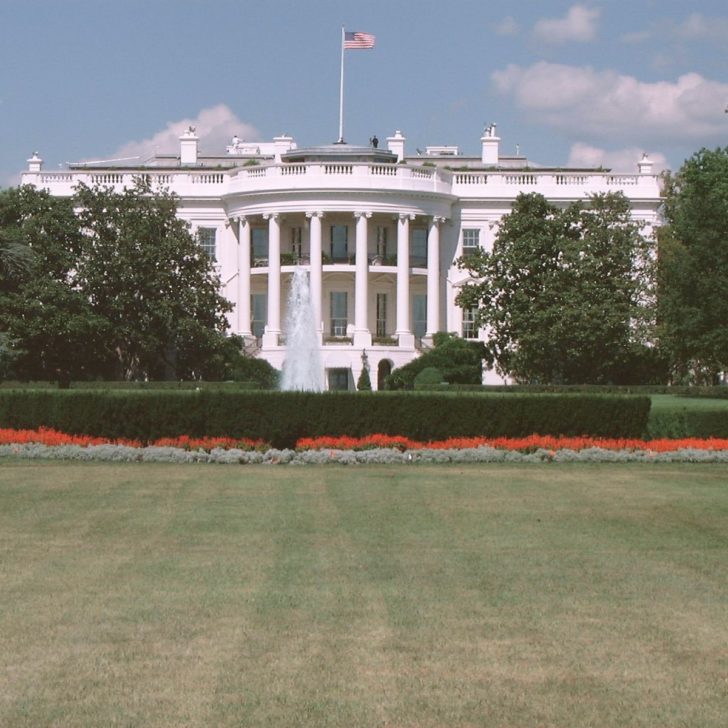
341,92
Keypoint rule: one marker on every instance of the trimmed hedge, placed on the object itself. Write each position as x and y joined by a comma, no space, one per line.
281,418
683,423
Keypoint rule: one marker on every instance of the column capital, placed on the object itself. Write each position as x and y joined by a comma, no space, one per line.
316,213
406,216
438,219
359,214
275,216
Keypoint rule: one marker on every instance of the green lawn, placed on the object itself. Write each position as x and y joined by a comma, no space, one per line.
662,402
157,595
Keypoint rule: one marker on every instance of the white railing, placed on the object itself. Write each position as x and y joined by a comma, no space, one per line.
338,168
387,170
549,182
296,169
471,178
621,180
207,178
107,178
353,175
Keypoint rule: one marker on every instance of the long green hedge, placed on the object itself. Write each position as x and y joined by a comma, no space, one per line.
282,417
681,423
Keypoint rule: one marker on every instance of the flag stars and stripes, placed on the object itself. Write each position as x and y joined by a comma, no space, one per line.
354,40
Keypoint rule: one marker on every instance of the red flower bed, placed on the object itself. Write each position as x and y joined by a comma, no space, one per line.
527,444
48,436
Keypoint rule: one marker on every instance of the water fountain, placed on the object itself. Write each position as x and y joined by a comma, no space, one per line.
302,369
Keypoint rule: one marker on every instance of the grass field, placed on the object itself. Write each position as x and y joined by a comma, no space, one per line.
156,595
662,402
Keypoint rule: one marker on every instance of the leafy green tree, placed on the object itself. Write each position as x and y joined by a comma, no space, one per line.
566,293
230,363
145,273
693,268
459,362
120,289
50,329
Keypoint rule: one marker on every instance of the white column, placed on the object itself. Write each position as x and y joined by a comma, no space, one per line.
244,277
273,325
315,276
433,277
403,332
362,335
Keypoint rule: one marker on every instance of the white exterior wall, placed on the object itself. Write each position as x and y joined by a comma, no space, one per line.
383,192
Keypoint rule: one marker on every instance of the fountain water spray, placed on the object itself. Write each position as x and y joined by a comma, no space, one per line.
302,369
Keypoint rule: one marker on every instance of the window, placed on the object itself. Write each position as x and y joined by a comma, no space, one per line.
339,379
419,315
339,313
258,311
381,314
470,330
296,242
418,246
207,238
471,240
382,235
259,245
339,243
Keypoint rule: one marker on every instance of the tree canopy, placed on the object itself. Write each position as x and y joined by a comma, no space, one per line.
458,361
118,288
565,293
693,268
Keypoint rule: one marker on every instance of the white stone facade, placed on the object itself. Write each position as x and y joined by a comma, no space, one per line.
378,231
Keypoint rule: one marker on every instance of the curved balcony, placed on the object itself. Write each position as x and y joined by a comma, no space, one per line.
339,176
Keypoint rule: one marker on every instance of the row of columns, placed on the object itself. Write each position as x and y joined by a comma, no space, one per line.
362,335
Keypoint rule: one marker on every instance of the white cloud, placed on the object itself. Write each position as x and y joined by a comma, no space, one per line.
609,105
620,160
579,25
507,26
695,28
699,27
215,127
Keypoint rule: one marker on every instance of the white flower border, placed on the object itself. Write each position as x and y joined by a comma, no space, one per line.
379,456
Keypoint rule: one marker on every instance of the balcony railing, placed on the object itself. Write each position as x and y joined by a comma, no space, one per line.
351,175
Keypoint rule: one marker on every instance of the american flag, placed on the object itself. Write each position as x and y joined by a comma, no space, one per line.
358,40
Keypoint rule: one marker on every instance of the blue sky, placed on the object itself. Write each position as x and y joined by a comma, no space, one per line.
568,82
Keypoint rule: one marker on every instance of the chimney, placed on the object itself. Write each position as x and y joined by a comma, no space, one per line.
645,165
396,144
35,163
489,142
188,146
283,144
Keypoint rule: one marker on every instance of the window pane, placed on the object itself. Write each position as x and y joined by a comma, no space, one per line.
339,313
296,242
419,315
418,247
382,236
259,243
339,239
381,314
471,240
258,311
207,239
470,330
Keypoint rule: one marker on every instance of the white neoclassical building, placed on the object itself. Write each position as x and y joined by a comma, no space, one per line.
379,231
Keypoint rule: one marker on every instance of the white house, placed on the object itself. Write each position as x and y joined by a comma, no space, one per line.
378,229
